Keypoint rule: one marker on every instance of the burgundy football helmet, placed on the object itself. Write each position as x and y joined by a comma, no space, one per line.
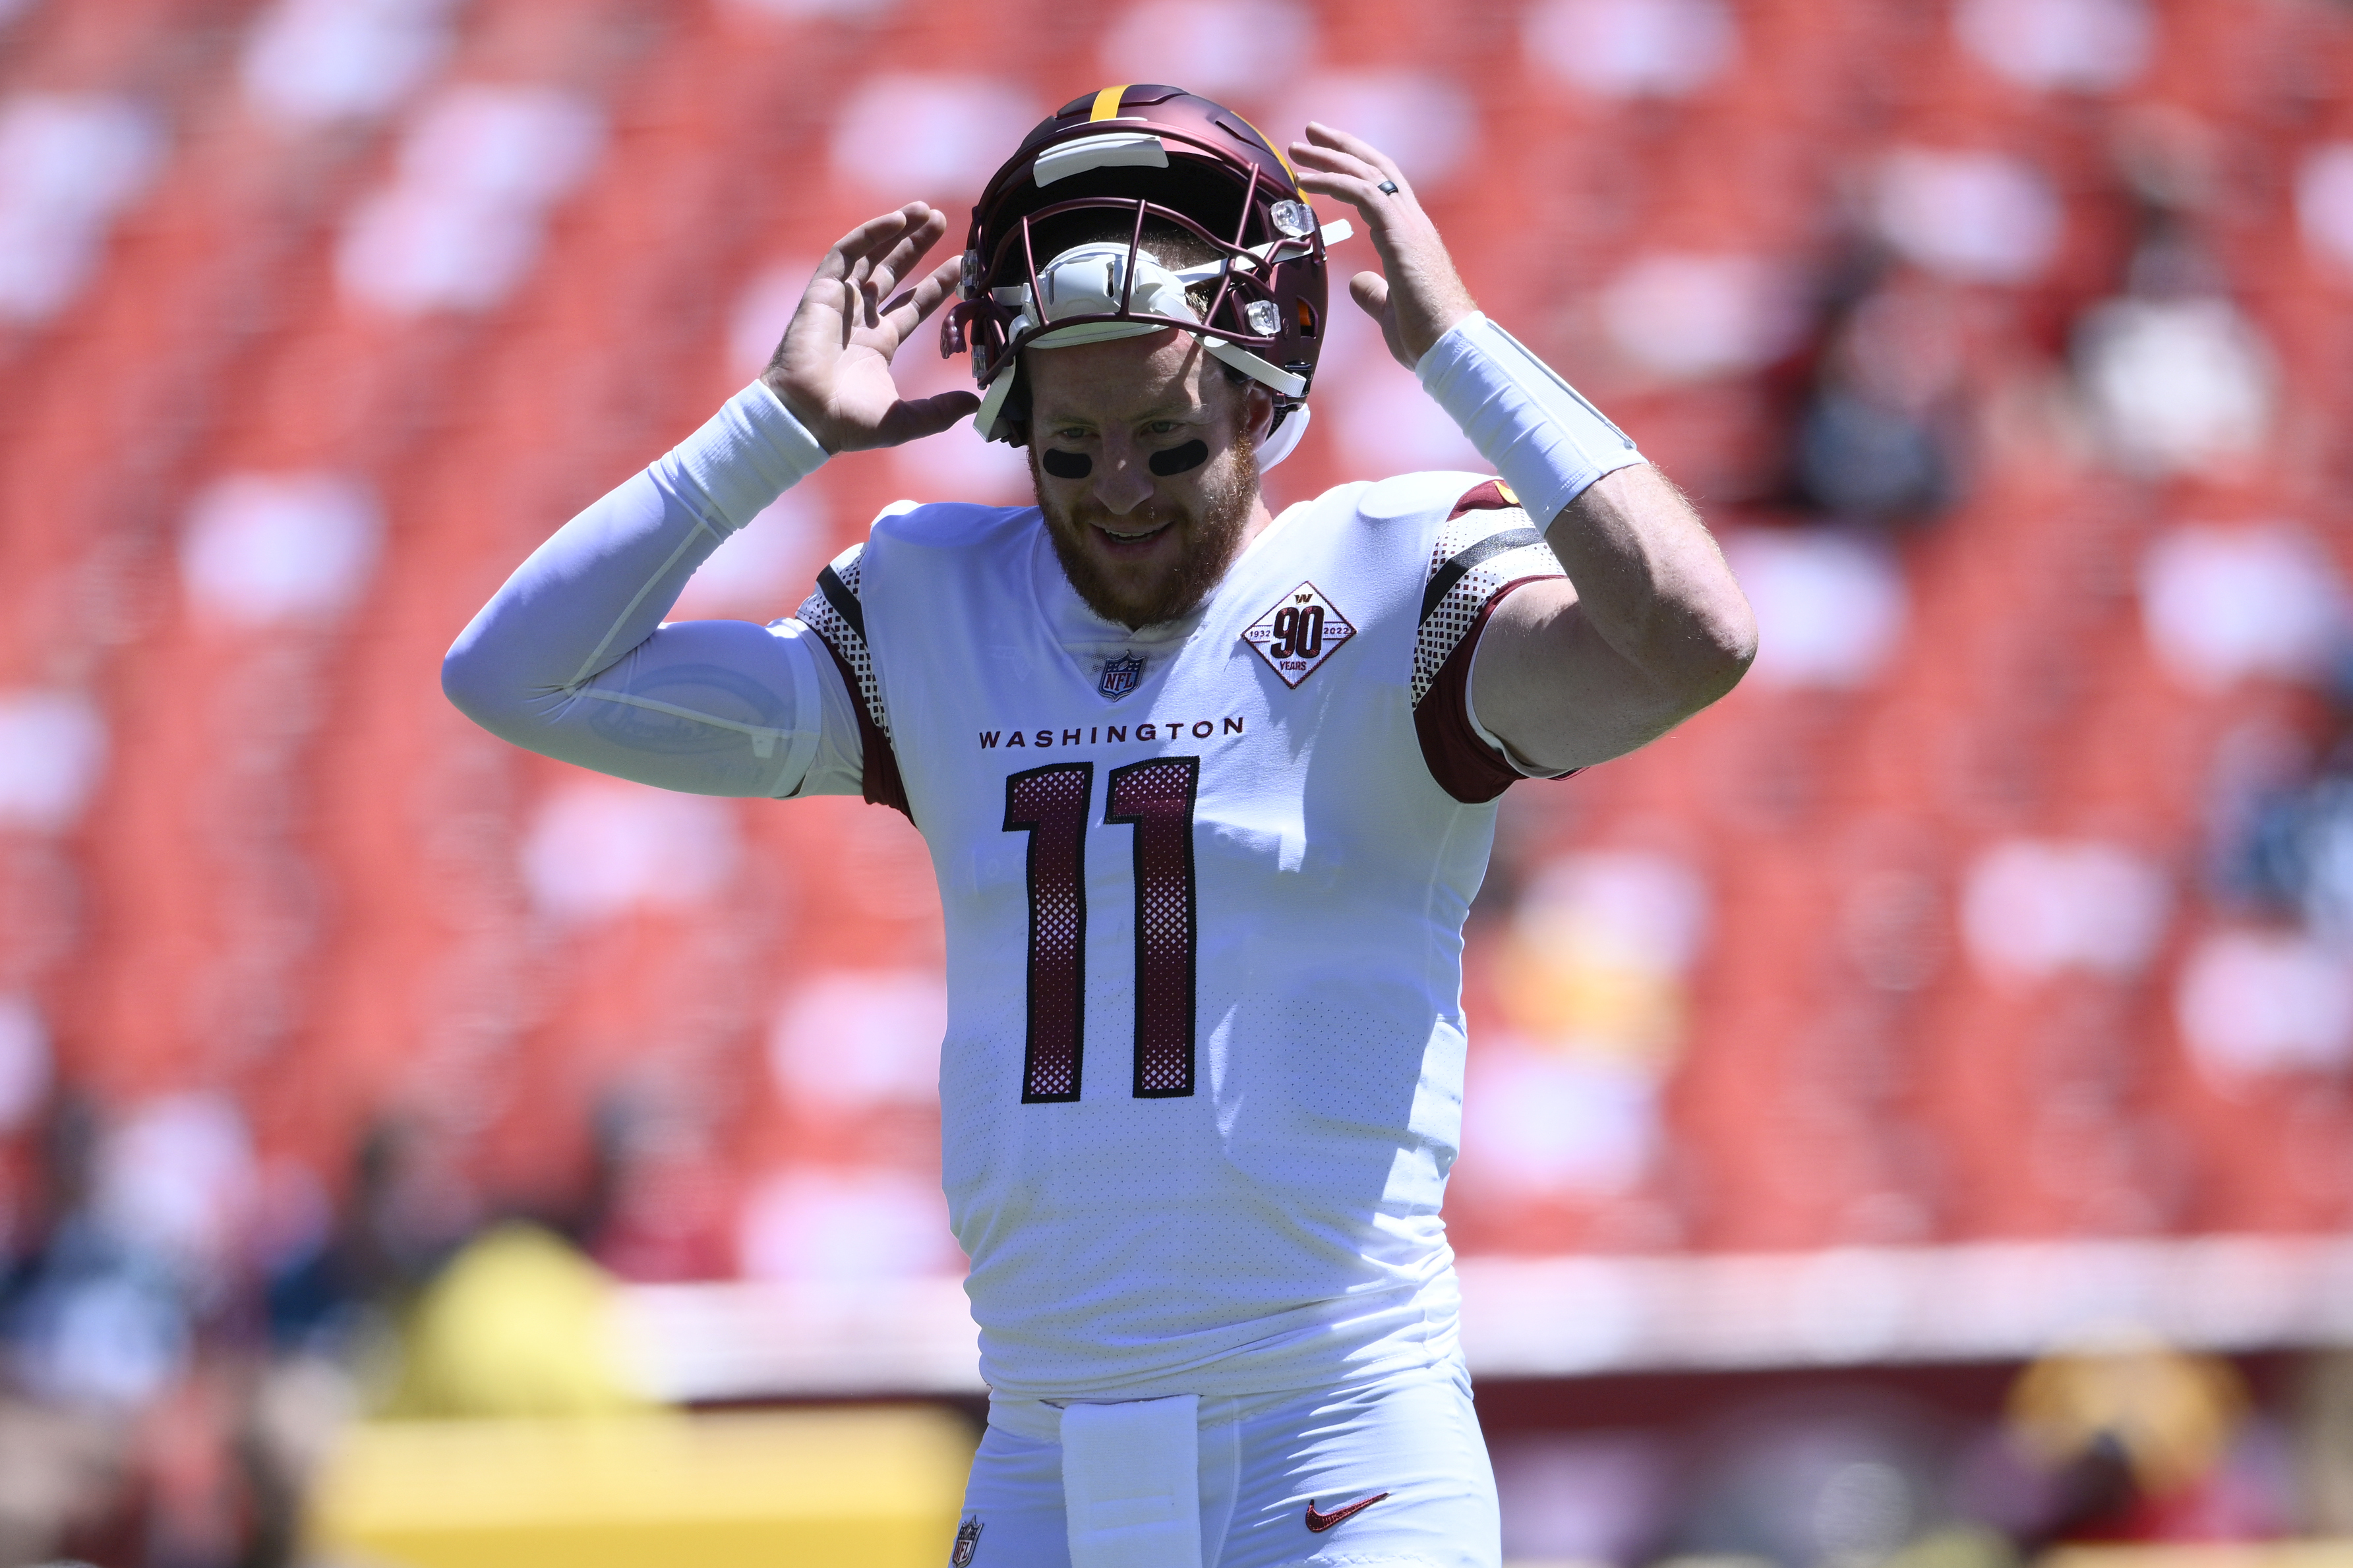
1038,264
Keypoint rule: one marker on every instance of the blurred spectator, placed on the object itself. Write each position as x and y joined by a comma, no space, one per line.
1832,1478
335,1292
2180,381
657,1202
2223,608
26,1071
2324,1421
64,1464
1882,431
1879,437
142,1243
853,1042
2140,1442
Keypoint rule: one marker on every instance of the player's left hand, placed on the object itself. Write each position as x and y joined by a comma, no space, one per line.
1422,296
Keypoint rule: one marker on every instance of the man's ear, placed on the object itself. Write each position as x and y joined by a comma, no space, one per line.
1258,412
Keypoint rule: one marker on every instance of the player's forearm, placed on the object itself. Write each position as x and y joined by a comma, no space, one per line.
1652,584
604,581
1648,578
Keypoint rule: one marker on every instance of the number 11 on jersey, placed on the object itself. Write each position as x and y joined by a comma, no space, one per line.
1052,805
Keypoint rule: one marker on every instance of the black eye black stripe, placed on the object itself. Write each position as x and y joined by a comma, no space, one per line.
1066,465
1176,460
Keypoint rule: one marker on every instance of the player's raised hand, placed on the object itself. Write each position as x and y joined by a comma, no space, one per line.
833,367
1422,296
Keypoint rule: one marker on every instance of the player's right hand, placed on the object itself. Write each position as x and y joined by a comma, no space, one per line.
833,368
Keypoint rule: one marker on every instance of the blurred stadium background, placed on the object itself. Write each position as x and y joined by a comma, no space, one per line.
1909,1113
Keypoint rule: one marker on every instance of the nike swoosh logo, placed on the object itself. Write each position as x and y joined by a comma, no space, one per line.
1320,1522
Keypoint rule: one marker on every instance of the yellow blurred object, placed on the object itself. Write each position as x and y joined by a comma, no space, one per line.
2218,1554
519,1324
2172,1413
1956,1546
867,1487
1596,1001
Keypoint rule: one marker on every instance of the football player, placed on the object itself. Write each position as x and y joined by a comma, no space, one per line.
1208,791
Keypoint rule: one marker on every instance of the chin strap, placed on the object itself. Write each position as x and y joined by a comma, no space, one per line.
1283,439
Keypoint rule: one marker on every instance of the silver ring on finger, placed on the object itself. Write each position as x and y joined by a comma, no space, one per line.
1388,187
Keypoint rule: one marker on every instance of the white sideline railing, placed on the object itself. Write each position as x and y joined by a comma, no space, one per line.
1581,1315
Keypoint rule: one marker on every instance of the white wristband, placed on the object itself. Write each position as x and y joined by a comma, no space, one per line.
1546,441
745,455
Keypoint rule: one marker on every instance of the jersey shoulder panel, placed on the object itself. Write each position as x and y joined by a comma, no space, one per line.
1423,497
949,525
838,616
1484,547
837,610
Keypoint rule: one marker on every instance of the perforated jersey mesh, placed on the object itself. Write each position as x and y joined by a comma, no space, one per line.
1050,804
1451,619
1157,798
817,614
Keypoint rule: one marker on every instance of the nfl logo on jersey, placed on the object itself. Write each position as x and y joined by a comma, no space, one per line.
967,1541
1120,676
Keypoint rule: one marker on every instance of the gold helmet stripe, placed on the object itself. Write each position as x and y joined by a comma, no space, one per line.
1107,108
1271,147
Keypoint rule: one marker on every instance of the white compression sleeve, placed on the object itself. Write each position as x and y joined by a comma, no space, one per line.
1545,440
570,659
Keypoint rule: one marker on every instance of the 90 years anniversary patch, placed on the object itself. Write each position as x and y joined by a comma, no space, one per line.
1302,630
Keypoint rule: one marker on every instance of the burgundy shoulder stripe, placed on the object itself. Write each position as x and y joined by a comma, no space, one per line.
1488,497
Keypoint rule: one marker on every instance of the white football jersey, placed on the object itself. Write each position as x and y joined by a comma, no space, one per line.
1205,889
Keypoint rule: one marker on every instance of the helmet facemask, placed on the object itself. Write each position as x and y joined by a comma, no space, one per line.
1037,273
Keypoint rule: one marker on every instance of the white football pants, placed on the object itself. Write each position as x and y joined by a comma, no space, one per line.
1272,1468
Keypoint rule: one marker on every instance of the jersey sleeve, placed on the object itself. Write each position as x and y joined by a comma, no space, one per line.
835,613
1487,547
571,659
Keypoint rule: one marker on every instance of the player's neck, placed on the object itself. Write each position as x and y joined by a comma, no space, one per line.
1259,521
